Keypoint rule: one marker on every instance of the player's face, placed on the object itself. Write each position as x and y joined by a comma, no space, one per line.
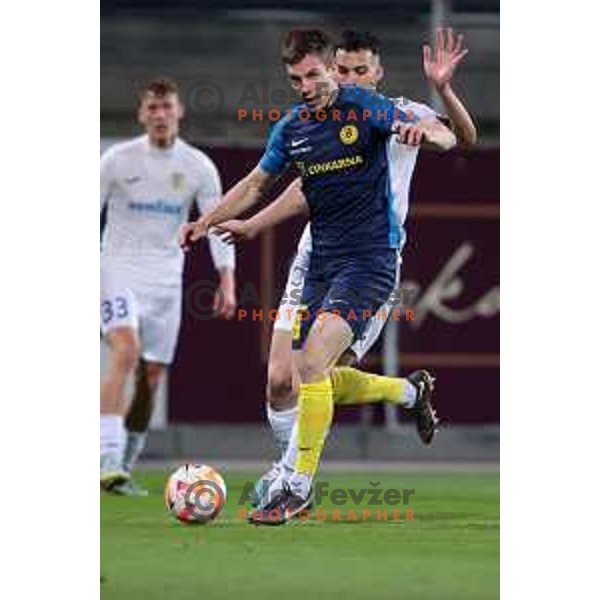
160,115
313,80
359,68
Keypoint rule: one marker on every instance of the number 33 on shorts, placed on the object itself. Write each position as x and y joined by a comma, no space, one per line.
115,309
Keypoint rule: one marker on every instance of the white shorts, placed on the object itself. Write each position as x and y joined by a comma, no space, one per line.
293,290
153,311
291,300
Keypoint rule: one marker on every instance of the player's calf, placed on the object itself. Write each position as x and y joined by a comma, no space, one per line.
123,358
140,411
124,350
281,392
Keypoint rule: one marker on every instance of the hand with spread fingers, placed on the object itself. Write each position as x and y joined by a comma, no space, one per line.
448,52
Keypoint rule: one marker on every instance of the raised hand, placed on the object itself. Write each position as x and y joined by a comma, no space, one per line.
448,52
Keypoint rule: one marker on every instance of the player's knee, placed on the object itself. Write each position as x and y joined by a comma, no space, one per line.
125,355
310,369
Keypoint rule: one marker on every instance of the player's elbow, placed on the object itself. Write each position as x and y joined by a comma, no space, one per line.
468,138
258,181
440,137
447,141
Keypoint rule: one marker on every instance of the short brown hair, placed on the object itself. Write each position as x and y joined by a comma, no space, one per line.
299,43
159,86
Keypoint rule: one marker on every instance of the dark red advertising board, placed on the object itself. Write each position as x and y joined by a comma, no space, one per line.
451,259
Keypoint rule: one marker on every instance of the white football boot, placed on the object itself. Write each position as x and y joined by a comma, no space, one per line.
111,471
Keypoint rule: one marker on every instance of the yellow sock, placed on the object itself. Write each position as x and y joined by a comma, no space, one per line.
315,412
351,386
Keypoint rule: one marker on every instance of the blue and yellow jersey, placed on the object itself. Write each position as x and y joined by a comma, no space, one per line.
341,154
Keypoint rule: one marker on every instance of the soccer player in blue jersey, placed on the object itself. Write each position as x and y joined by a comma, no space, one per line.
337,140
358,61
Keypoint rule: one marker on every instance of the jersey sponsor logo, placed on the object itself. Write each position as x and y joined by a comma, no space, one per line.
177,181
349,134
157,207
322,168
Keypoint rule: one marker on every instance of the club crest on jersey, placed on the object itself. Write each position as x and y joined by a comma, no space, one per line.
177,181
349,134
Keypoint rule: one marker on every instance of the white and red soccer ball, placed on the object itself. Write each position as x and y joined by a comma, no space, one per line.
195,493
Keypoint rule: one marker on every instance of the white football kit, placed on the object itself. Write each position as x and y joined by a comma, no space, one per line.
402,159
148,192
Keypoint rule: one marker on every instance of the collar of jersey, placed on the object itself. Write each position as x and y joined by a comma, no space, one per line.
161,152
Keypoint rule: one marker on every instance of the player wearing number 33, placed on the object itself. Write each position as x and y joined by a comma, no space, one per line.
148,186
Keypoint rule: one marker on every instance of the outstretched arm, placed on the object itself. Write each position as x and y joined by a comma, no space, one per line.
439,67
239,198
291,203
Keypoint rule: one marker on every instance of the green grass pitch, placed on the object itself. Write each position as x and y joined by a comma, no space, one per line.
451,551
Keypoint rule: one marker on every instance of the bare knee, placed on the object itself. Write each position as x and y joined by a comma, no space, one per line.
124,351
311,369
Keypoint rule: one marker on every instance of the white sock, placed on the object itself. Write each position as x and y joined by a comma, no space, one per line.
136,441
112,435
282,423
409,396
291,452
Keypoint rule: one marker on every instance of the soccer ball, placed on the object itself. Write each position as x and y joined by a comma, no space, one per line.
195,493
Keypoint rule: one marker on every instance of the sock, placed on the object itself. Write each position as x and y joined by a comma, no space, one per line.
282,423
112,434
134,445
288,461
315,413
409,396
351,386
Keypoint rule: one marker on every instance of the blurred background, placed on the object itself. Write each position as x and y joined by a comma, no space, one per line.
224,55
